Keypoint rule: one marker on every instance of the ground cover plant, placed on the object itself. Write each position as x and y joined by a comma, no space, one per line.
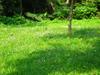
44,48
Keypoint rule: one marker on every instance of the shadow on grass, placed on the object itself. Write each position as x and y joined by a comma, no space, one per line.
59,58
85,33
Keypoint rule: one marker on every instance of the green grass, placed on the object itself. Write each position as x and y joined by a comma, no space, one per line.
44,48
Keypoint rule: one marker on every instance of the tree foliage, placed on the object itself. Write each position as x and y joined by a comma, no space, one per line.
56,8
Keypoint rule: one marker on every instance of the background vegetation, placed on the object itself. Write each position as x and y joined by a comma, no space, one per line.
51,8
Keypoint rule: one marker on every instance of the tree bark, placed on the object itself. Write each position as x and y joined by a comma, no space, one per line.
70,18
21,8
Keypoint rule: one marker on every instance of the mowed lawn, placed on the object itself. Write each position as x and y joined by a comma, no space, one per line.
44,48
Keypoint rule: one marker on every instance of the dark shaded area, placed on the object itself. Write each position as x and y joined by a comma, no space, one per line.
10,7
37,6
13,7
87,33
59,58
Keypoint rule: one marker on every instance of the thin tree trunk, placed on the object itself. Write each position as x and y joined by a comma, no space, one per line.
21,8
70,18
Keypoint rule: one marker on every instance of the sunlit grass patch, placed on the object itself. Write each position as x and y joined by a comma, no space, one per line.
46,49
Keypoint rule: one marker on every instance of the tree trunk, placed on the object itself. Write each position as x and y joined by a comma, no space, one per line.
70,18
21,8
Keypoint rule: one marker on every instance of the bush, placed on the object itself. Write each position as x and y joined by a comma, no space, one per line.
15,20
84,11
97,3
61,12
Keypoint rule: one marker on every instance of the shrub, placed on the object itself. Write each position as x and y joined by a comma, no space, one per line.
15,20
61,12
97,3
84,11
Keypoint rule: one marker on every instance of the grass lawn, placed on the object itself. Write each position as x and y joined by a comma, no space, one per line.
44,48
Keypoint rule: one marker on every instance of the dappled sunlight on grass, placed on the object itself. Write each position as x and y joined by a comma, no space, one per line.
47,50
58,58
